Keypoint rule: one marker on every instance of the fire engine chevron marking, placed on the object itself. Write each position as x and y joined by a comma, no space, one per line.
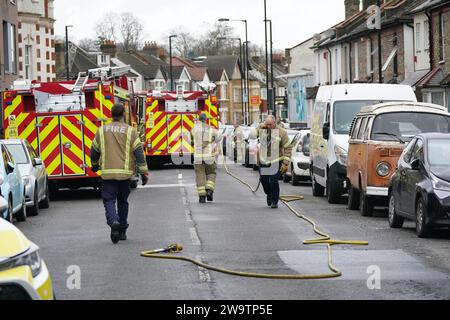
73,157
13,107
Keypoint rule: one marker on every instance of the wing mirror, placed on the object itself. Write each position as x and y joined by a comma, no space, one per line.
37,162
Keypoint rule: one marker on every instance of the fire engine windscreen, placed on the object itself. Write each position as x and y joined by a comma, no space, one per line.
46,102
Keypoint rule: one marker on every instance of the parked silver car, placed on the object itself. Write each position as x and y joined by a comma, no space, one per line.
33,173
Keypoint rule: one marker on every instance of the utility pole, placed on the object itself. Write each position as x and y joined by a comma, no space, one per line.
269,109
67,53
380,65
170,61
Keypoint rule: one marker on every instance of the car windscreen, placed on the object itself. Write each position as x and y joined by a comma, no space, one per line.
345,112
403,126
18,153
438,154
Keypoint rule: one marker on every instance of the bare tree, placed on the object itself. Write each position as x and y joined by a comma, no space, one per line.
106,28
130,30
210,45
89,44
184,45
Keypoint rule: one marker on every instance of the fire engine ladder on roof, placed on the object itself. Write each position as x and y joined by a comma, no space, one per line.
82,79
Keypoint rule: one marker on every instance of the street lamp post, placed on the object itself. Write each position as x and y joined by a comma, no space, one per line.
170,60
246,70
242,80
272,85
267,58
67,52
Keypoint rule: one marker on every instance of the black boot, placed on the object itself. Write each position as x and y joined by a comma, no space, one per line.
269,201
210,196
115,232
123,235
202,199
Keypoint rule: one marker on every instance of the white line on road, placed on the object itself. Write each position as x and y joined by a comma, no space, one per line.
188,214
160,186
194,237
202,272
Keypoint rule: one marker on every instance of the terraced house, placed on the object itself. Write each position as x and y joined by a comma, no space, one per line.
8,43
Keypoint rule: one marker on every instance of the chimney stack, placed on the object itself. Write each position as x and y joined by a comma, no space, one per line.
109,47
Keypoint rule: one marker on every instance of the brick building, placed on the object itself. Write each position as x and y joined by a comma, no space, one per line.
348,52
36,39
435,85
8,43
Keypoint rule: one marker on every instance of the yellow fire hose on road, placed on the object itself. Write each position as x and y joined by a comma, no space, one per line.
286,200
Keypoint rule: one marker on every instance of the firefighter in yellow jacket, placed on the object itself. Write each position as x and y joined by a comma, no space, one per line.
206,141
274,157
115,151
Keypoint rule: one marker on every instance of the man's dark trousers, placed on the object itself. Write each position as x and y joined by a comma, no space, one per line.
270,180
116,191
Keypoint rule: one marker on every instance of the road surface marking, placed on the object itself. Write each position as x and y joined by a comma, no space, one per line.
194,237
160,186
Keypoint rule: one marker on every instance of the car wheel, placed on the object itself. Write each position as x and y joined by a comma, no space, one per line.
294,178
366,205
395,221
21,216
332,192
9,212
318,190
422,228
255,167
34,210
45,204
353,198
286,178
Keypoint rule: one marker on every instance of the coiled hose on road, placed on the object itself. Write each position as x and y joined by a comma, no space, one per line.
286,200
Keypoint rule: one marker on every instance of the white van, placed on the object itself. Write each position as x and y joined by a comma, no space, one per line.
334,110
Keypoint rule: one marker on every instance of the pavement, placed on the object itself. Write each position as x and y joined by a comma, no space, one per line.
238,231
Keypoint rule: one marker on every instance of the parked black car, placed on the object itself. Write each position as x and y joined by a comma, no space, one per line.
420,187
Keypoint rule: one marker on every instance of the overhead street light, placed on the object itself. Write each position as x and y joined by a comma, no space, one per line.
246,70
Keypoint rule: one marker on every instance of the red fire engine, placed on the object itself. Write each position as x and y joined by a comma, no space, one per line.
60,120
166,119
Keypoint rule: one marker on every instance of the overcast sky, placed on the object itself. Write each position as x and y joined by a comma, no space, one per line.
293,20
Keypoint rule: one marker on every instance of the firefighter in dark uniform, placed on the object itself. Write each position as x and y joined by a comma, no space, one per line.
206,141
116,150
274,157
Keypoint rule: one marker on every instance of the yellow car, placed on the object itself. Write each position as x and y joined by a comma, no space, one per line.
23,274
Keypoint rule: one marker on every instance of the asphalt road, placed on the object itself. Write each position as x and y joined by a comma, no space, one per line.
237,232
